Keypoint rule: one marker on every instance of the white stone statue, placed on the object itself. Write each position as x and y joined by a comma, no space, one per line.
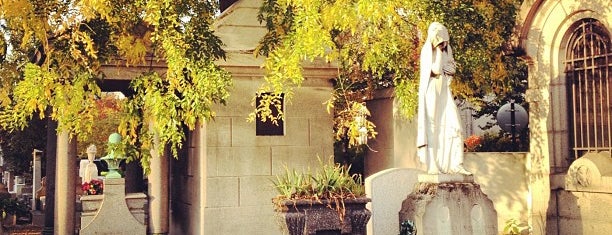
91,170
439,139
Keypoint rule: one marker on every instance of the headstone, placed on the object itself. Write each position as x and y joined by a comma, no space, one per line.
449,204
19,184
36,175
387,189
9,180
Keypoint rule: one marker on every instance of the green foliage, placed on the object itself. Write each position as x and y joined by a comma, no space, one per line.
330,181
58,48
376,43
352,123
517,79
514,227
12,206
17,146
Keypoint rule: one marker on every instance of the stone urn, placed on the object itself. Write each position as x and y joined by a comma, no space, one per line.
310,217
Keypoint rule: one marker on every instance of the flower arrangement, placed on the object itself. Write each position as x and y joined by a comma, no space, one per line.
473,143
93,187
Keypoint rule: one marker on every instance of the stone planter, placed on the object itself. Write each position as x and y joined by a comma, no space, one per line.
307,217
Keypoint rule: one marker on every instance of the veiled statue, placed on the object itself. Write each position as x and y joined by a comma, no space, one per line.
439,137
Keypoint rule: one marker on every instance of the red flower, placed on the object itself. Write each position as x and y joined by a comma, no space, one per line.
473,143
93,187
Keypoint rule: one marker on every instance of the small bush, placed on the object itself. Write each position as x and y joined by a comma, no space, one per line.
330,181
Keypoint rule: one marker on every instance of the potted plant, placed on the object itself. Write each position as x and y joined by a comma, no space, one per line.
328,200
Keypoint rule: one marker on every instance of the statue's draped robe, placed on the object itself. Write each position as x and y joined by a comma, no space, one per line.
439,139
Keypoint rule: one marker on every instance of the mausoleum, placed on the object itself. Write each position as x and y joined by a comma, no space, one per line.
220,184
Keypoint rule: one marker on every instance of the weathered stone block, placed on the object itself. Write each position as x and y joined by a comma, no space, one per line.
259,219
256,190
222,192
295,157
309,102
137,202
242,161
319,131
218,132
296,133
212,153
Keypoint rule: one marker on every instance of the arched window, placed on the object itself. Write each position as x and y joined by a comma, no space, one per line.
588,69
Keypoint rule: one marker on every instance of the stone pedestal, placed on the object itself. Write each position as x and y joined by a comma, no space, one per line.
449,204
113,212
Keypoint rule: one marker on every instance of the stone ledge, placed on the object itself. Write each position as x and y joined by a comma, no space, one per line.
445,178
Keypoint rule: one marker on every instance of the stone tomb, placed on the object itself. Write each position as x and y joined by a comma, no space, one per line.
449,204
114,212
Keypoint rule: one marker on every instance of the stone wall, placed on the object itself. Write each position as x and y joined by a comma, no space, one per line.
241,165
579,213
503,178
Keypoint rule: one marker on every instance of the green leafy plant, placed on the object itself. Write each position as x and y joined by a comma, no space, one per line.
12,206
331,182
54,68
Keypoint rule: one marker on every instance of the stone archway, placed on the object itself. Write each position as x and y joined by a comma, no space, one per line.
543,25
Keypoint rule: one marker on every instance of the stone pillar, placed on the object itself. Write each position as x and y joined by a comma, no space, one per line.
200,135
158,191
65,181
36,175
449,204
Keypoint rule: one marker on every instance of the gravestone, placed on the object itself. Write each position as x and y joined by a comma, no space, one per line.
388,188
36,175
8,180
449,204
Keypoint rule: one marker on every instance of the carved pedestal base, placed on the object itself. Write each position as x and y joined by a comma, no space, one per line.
449,205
